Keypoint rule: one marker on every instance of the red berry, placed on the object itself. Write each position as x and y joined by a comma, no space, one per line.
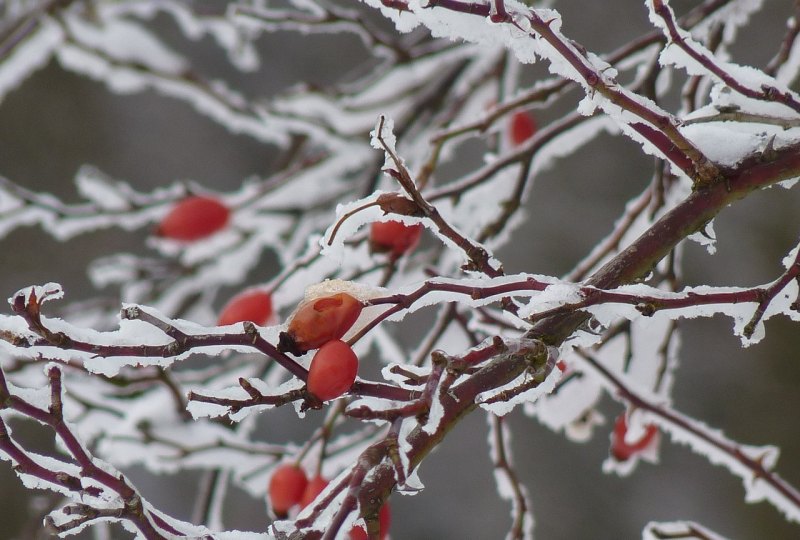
394,237
194,218
319,321
333,370
253,305
314,488
522,127
286,487
622,450
384,520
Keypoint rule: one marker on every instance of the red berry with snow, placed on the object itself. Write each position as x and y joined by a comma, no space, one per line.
333,370
194,218
319,321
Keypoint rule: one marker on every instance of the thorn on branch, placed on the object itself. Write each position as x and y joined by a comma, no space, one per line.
411,377
131,313
255,394
28,306
418,407
498,13
769,154
648,309
399,5
251,331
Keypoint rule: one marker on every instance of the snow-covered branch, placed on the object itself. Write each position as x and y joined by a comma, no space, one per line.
309,335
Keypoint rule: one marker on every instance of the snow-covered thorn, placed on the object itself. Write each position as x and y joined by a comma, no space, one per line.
63,477
245,384
130,313
251,331
399,5
647,309
769,154
134,505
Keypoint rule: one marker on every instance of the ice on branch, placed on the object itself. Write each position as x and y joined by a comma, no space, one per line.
125,41
732,16
143,337
213,99
685,53
656,530
106,193
195,25
422,131
383,138
30,55
753,464
110,203
506,480
34,296
748,309
538,380
223,401
569,407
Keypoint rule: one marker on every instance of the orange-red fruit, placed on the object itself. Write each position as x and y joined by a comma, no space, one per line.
333,370
623,451
522,127
394,237
286,487
194,218
384,520
254,305
314,488
322,320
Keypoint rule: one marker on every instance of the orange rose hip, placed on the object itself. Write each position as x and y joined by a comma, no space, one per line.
319,321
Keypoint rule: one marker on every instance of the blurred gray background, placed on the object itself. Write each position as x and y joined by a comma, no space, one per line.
56,121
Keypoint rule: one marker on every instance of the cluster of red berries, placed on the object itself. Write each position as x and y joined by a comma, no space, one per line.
289,487
319,323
